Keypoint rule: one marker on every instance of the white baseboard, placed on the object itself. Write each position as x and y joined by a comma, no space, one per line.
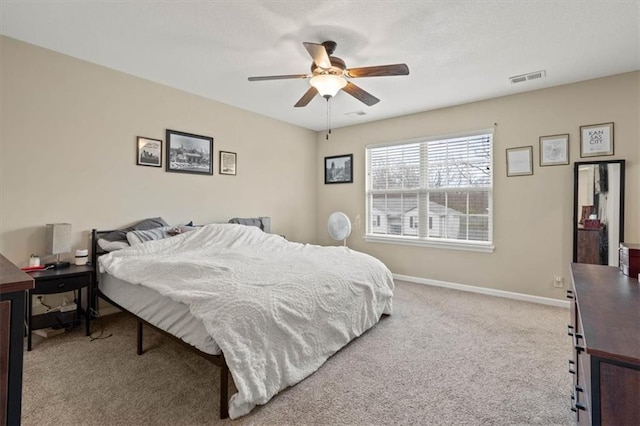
483,290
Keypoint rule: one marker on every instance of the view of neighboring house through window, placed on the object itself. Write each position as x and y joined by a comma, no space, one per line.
431,190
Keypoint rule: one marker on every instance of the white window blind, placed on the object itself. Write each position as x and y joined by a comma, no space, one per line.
436,190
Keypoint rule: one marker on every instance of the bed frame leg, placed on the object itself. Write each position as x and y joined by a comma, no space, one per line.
139,337
224,389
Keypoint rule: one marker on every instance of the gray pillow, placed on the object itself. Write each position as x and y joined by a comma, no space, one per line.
143,225
139,237
118,239
248,222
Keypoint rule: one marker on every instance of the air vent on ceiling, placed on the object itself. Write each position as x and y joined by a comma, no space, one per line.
355,113
530,76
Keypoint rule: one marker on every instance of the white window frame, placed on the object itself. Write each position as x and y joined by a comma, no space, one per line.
425,241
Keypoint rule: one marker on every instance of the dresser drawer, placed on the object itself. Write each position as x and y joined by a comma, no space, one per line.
60,285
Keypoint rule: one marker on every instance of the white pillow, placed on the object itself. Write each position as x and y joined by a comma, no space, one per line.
112,245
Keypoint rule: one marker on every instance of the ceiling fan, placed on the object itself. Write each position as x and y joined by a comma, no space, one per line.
329,74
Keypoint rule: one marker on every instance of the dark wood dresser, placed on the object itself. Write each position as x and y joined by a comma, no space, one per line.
589,241
605,326
14,285
630,259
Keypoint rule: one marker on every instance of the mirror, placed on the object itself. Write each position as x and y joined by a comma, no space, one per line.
598,215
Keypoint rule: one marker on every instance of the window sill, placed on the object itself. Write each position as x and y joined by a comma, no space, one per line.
448,245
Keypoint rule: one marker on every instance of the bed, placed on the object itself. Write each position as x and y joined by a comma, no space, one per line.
264,309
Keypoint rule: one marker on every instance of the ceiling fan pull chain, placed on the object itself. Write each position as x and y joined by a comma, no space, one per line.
328,117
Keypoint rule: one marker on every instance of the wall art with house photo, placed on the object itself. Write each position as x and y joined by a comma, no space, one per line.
149,152
189,153
338,169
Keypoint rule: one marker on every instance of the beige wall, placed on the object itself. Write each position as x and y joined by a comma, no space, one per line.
68,149
67,153
532,214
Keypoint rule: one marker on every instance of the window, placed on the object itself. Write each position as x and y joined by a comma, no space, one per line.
435,191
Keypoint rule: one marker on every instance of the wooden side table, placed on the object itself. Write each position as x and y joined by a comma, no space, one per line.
14,285
54,281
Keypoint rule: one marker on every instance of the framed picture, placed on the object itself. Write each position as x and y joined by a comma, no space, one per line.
554,150
596,140
149,152
189,153
520,161
227,163
338,169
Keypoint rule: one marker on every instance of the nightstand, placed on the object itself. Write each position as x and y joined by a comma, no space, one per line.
55,281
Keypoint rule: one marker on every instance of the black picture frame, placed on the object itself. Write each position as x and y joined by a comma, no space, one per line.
189,153
148,152
228,163
338,169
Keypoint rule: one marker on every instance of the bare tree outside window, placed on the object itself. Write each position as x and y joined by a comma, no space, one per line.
433,189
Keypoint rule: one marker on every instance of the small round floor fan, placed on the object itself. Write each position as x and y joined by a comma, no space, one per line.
339,226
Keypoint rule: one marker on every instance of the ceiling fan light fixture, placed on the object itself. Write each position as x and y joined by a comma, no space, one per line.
328,85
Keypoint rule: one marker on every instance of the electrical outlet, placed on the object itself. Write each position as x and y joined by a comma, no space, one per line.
558,281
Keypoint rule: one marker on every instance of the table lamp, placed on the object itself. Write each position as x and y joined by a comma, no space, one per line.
58,242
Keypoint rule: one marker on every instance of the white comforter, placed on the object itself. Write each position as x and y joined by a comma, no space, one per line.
277,309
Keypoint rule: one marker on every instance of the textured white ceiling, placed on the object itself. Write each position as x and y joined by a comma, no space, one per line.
457,51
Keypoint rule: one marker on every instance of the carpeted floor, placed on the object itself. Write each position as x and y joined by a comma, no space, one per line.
443,358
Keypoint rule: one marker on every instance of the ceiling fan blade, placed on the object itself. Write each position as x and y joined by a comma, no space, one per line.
379,71
319,54
278,77
306,98
360,94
